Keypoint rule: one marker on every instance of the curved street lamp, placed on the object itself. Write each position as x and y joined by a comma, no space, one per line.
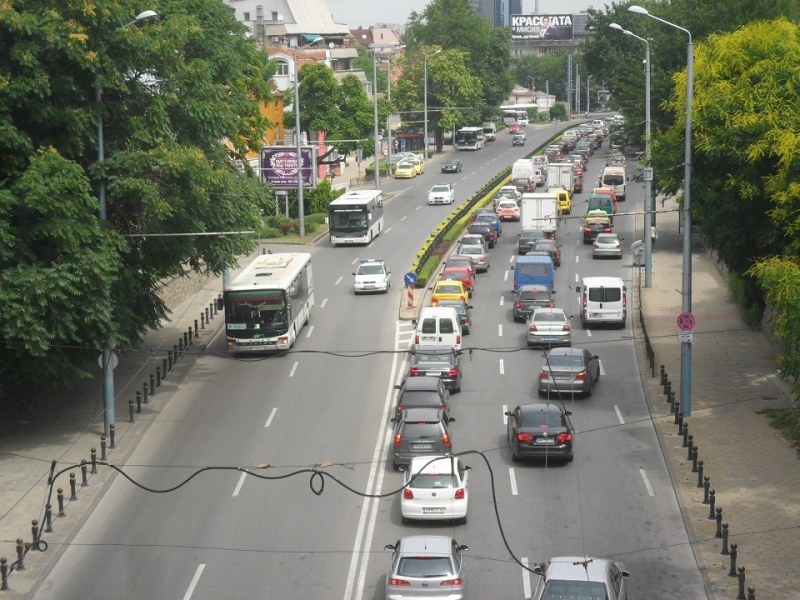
686,293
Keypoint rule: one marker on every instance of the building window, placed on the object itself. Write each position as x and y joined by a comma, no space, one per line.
274,15
246,17
282,67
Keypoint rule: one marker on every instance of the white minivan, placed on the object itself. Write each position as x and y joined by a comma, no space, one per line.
603,300
614,178
438,326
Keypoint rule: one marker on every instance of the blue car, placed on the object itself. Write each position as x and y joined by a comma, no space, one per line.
488,216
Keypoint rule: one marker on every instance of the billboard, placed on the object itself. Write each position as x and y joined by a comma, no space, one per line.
541,27
279,166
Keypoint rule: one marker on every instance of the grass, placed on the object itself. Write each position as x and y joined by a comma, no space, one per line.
787,421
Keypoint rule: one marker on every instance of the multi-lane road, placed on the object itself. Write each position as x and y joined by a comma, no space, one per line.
228,535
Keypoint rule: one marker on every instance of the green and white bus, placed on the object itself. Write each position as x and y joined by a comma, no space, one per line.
268,304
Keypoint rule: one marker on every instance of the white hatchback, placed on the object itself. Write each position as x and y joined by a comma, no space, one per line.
436,489
372,276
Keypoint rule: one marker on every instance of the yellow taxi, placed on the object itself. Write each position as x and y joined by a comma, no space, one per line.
405,170
419,165
449,289
564,200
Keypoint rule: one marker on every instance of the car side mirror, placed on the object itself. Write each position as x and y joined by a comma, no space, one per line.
568,412
469,306
597,357
508,413
393,419
465,548
397,386
578,289
451,419
389,547
402,468
538,569
467,468
354,272
511,268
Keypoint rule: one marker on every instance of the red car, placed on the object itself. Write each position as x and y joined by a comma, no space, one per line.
462,274
578,184
514,128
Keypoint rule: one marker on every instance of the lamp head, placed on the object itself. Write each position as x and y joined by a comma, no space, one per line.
146,15
616,26
638,10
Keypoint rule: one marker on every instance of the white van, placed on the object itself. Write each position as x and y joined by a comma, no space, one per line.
603,300
438,326
614,178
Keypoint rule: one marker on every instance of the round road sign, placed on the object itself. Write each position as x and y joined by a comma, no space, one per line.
686,321
410,278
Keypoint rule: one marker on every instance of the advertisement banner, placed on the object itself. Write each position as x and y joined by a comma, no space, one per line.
279,167
541,27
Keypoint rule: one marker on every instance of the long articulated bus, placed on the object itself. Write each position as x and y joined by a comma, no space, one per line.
469,138
268,304
356,217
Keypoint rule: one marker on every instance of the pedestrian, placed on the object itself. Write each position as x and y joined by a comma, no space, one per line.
653,237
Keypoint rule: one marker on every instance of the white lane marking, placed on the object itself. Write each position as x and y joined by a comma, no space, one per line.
500,330
589,332
619,415
577,259
502,367
602,369
505,276
271,416
355,261
323,303
387,230
418,208
194,581
647,482
294,368
526,578
576,278
381,443
308,333
404,218
239,485
502,300
338,281
513,479
505,416
511,258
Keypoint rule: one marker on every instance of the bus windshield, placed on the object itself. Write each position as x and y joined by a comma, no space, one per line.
347,219
260,313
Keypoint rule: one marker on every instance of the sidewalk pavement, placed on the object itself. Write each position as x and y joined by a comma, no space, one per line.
751,468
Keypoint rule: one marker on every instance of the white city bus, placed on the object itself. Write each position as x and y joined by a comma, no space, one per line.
268,304
356,217
469,138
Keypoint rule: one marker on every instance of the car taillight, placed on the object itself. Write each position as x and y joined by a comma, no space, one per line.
584,301
458,339
517,305
543,375
459,495
587,229
401,582
524,437
397,439
607,230
551,305
565,328
434,301
416,340
452,373
532,328
413,371
564,437
581,376
624,300
408,494
452,582
446,440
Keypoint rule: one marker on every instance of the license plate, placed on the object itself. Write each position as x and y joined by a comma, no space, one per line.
427,510
595,315
422,446
432,374
428,338
368,286
545,441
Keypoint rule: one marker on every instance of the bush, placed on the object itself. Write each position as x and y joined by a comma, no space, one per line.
427,271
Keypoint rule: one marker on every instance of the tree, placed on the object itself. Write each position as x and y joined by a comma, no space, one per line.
172,90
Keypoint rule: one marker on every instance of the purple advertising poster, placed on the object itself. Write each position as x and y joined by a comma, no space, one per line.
541,27
279,166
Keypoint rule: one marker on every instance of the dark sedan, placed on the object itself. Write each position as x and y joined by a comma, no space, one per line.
540,431
529,297
528,238
451,165
552,249
485,230
592,227
569,371
444,363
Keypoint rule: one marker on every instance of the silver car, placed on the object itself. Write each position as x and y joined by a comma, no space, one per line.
607,245
426,566
479,254
569,370
581,577
549,327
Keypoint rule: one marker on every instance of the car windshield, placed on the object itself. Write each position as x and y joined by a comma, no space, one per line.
574,590
433,482
370,270
424,566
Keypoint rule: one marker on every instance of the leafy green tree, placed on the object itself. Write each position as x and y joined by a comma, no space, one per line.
454,25
172,90
544,72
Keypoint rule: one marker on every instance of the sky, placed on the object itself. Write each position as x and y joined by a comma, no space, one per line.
363,13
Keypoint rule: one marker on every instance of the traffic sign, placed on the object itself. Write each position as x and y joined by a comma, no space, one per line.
686,321
410,278
685,337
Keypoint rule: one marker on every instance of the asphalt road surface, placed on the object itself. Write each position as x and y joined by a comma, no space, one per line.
228,535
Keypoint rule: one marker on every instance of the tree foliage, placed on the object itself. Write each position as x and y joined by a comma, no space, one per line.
172,90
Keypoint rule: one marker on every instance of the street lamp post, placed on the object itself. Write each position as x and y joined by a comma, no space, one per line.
425,102
108,358
686,304
649,203
588,105
297,138
375,117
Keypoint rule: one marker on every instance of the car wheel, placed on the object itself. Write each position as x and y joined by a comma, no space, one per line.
457,390
514,457
395,466
462,520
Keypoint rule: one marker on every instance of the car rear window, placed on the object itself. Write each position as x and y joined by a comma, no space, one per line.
533,296
427,566
433,359
429,325
534,270
537,419
446,326
420,398
563,360
601,294
433,482
574,590
448,289
613,180
548,317
419,430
